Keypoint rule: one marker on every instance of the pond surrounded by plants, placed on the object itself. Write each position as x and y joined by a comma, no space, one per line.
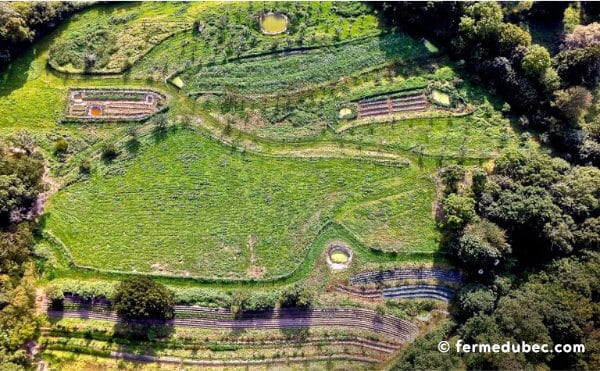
273,23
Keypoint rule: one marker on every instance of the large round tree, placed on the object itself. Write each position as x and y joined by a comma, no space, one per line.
143,298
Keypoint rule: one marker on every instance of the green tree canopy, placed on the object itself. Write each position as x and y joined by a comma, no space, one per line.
143,298
536,61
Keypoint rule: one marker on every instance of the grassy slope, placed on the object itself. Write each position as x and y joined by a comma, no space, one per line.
190,205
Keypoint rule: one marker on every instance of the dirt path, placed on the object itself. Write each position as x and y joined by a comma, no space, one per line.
54,187
41,302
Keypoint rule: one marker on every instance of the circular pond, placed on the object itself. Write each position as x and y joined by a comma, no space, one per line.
339,257
95,111
273,23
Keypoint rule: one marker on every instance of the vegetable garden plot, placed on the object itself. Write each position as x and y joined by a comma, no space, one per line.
285,72
414,102
113,104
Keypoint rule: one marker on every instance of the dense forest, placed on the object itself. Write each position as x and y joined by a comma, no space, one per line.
528,233
23,22
21,170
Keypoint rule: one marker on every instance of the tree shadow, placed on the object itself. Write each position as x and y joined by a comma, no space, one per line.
144,330
133,145
15,74
159,134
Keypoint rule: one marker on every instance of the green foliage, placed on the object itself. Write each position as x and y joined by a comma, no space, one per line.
85,167
571,18
87,290
21,23
297,295
512,37
244,301
423,353
481,21
452,177
479,180
474,299
21,172
238,34
551,307
303,70
536,61
87,50
481,244
143,298
20,183
543,199
100,42
61,146
573,102
458,211
109,151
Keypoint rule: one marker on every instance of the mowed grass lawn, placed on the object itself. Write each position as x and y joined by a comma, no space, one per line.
188,205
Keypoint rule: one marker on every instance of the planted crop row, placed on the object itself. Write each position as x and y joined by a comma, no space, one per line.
371,294
400,330
451,276
282,73
419,292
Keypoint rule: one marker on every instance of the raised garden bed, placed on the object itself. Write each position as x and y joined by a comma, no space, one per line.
111,104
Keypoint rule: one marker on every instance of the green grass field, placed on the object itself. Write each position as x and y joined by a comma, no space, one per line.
470,136
189,206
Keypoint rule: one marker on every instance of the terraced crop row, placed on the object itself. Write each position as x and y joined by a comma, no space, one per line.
400,330
450,276
408,103
113,104
420,291
370,294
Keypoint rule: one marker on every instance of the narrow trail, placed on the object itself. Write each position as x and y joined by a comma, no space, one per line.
43,198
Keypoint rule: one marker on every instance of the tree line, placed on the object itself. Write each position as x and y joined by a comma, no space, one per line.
527,232
21,23
21,170
548,90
